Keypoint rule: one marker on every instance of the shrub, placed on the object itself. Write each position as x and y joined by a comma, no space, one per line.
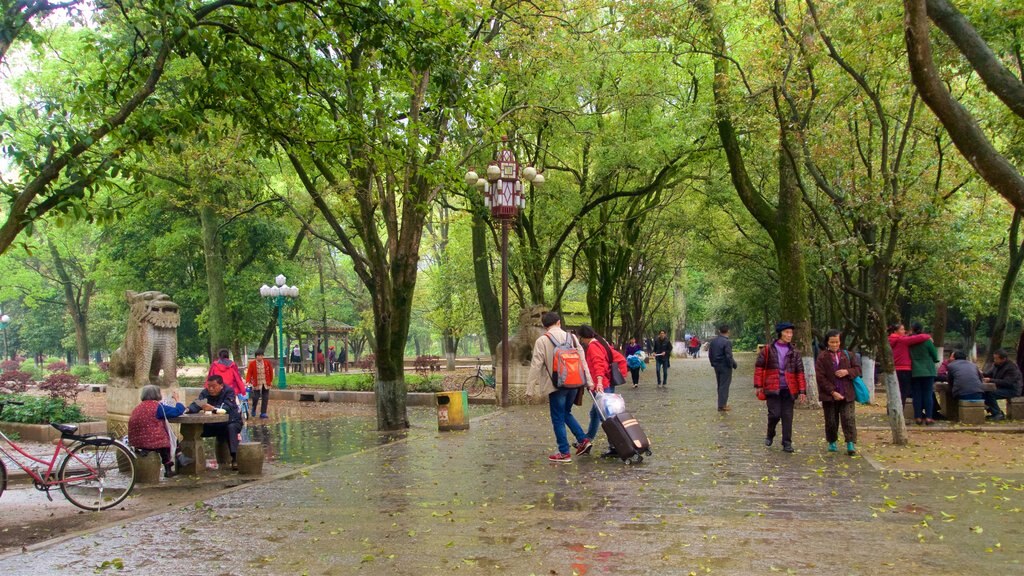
10,365
42,410
104,366
425,364
82,370
61,386
97,377
366,362
58,366
15,381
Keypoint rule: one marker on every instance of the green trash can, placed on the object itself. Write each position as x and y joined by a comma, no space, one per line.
452,411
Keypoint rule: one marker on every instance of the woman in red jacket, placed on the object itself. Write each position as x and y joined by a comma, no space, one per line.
600,357
900,344
228,372
779,378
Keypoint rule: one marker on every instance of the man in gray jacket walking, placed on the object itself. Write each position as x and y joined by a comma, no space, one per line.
720,356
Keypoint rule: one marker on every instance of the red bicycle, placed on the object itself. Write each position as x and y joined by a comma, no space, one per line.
96,473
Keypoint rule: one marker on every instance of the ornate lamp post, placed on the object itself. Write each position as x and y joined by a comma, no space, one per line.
279,296
4,321
504,195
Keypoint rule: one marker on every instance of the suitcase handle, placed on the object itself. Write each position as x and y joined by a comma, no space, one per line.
600,413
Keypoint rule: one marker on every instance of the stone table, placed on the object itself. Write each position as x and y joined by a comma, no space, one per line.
192,443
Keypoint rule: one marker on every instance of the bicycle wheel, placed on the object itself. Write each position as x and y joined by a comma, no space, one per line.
97,477
474,385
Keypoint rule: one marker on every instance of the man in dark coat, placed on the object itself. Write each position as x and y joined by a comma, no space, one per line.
720,355
1007,378
662,353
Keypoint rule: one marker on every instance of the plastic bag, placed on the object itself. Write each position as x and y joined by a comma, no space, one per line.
610,404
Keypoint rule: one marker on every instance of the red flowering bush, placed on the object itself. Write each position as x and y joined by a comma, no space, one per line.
61,385
58,366
10,365
15,381
367,362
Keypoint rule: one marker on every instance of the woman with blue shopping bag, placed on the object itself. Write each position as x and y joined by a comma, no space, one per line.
835,371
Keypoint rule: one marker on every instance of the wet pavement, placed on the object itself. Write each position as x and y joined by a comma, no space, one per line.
711,500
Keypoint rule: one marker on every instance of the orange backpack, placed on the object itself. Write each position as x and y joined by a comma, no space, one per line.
567,365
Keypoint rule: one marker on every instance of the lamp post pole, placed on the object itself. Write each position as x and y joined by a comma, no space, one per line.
280,295
4,321
504,196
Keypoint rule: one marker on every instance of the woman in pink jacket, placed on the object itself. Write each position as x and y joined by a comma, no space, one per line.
900,344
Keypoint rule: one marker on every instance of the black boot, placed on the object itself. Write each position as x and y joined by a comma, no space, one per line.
169,470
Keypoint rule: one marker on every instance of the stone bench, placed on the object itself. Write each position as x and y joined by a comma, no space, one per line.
1015,408
971,411
148,468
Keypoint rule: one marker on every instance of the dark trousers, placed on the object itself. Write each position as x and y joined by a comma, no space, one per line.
224,432
992,400
257,395
837,413
723,374
922,392
661,370
904,378
635,373
780,407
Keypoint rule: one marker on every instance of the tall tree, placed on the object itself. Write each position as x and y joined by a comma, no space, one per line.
66,143
963,127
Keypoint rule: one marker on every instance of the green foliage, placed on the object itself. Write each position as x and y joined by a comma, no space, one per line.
41,410
82,372
361,382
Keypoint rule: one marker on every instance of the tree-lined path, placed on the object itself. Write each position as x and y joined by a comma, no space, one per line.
712,500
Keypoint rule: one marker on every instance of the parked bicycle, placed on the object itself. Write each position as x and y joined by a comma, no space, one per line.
476,383
243,403
96,473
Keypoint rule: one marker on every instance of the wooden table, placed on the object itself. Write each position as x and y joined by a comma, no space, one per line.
192,445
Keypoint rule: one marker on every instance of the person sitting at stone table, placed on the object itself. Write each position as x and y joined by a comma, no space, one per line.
964,378
1007,378
147,425
216,396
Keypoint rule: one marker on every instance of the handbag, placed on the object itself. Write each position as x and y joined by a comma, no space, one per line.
860,389
617,378
761,395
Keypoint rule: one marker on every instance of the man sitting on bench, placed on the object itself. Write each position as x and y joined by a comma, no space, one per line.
1007,378
216,396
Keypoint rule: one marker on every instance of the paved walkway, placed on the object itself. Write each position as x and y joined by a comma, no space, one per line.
711,500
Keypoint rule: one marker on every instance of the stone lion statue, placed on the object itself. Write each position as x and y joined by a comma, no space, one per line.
150,341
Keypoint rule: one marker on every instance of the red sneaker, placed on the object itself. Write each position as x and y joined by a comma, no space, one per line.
560,458
584,447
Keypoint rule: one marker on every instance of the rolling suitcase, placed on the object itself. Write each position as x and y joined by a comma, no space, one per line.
626,436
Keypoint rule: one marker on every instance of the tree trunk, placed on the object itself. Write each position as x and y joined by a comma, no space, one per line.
490,307
939,325
867,371
77,304
887,372
1006,290
218,323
